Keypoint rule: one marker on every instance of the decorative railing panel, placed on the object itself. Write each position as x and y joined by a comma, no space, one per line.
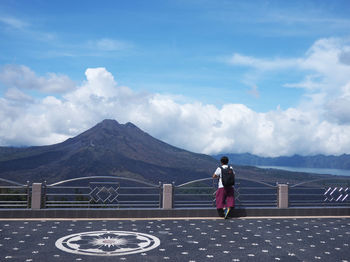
102,192
320,192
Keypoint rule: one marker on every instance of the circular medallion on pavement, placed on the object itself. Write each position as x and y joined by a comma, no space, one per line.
107,243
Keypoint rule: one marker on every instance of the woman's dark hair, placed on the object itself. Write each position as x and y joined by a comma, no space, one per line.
224,160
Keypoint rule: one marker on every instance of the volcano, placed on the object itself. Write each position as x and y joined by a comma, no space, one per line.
107,149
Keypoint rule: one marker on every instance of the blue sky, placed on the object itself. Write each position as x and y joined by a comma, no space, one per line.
247,71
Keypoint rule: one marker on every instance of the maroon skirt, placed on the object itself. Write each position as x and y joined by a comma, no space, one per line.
225,197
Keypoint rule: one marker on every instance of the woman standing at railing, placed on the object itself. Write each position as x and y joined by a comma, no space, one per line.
225,200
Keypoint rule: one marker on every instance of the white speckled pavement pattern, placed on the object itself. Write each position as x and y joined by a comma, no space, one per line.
192,240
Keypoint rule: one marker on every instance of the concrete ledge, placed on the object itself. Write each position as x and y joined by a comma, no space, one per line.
171,213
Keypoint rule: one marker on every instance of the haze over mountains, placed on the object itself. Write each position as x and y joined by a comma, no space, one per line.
318,161
113,149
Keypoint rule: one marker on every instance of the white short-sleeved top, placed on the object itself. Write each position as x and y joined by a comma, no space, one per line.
218,173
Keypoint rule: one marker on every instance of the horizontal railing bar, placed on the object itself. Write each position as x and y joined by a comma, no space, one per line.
65,194
13,202
254,202
253,205
240,194
150,188
194,205
122,194
61,194
319,202
192,194
209,205
105,206
121,202
67,187
185,188
260,188
13,194
308,202
307,188
191,201
335,204
88,202
306,195
18,205
57,201
313,205
13,187
75,187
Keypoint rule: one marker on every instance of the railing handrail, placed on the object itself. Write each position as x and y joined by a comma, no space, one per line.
256,181
181,185
237,178
13,182
194,181
104,177
321,179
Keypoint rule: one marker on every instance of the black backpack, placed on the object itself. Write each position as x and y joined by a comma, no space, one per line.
227,176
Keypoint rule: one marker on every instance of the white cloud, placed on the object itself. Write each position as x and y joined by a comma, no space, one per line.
338,108
14,94
320,124
344,57
262,64
326,70
107,44
13,22
22,77
325,64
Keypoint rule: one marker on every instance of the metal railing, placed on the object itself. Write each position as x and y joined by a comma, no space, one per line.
253,193
196,193
102,192
14,195
121,192
320,192
201,193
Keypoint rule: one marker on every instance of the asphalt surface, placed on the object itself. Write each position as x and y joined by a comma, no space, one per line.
192,240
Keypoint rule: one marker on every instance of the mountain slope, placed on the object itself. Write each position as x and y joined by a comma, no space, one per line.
109,148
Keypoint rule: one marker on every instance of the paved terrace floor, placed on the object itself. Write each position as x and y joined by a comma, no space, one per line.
176,239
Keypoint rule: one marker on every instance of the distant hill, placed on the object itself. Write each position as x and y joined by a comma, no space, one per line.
318,161
113,149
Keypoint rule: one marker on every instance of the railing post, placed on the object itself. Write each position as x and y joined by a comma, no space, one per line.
160,194
36,195
28,195
167,196
282,196
43,203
